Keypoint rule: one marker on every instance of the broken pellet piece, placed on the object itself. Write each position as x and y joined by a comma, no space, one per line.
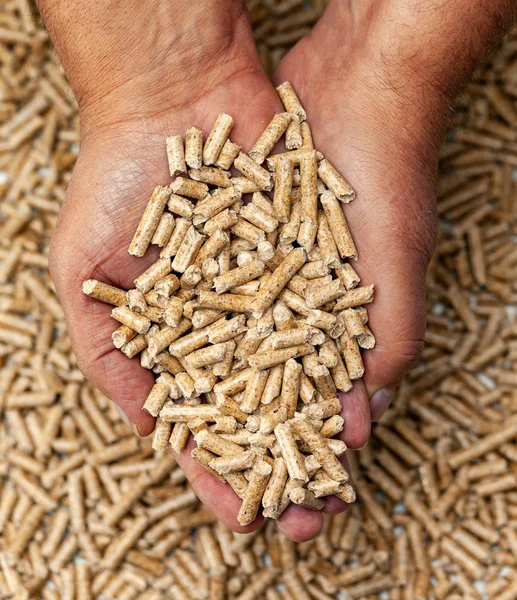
175,155
194,148
335,182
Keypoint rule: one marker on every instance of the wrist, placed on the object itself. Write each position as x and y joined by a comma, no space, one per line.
137,58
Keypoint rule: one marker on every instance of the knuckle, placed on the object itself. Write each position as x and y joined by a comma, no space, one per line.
404,355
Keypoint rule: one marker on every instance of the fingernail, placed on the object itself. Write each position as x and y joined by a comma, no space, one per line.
380,402
124,417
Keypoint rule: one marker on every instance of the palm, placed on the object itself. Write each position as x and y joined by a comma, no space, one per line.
114,176
392,170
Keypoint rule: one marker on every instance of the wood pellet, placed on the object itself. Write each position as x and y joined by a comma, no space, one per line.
270,338
420,527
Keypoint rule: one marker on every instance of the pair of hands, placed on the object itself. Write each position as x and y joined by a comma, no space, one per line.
373,115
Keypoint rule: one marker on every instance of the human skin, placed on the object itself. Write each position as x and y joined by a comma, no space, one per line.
377,78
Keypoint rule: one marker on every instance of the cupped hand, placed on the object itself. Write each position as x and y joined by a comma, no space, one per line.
122,158
389,162
380,124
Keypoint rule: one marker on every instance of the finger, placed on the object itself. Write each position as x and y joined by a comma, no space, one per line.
218,496
90,327
356,413
300,524
380,402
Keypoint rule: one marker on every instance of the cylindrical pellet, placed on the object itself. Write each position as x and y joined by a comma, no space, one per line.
283,185
149,221
194,148
175,155
217,138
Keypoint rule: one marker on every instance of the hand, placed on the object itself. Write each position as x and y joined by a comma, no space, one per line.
122,158
381,131
384,140
377,79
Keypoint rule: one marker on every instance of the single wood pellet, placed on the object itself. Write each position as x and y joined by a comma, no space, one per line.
136,511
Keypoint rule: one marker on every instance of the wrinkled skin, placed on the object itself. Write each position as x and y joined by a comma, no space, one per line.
383,141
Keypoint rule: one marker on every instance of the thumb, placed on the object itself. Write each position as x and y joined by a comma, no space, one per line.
397,317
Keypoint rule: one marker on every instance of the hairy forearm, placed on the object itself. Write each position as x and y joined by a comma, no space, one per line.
155,45
410,58
438,43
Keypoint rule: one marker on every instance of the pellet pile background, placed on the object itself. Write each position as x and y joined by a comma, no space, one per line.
87,510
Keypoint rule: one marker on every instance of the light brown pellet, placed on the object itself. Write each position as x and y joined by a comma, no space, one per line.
104,292
217,138
269,138
175,155
194,148
149,221
187,250
227,155
260,475
253,171
291,101
291,455
335,182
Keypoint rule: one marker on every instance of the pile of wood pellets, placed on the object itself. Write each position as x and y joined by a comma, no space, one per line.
262,421
87,510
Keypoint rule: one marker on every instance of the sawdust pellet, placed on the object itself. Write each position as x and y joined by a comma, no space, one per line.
338,225
269,138
104,292
291,455
189,188
131,319
260,475
156,399
187,250
282,195
335,182
217,138
253,171
227,155
194,147
291,101
175,155
164,230
149,221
